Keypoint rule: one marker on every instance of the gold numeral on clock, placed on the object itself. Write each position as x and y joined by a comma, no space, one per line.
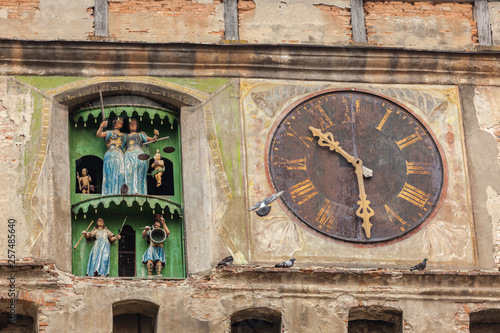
390,213
382,122
303,191
305,139
409,140
321,115
325,215
414,195
299,164
418,168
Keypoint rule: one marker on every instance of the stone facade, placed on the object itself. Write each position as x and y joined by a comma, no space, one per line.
425,56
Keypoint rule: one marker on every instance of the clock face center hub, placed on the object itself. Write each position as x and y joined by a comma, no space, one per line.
334,176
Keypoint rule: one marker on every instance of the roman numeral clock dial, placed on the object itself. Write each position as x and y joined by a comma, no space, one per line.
356,167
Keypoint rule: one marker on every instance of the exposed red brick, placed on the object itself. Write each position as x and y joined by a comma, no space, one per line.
246,8
376,11
344,14
164,7
15,9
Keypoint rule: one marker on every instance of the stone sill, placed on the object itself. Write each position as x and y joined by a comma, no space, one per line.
372,272
22,264
236,269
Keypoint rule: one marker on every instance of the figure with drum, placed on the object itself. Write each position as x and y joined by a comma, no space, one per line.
154,257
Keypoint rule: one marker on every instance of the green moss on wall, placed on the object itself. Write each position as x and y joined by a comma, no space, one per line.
33,145
206,85
48,82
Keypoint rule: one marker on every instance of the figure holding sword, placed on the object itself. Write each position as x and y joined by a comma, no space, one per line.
99,258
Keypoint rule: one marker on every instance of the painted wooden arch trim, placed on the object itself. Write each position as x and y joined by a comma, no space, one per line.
105,201
130,110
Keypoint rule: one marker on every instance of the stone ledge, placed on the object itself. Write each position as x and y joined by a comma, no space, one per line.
293,62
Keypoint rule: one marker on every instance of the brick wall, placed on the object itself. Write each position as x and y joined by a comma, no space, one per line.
164,7
421,25
271,22
166,20
18,8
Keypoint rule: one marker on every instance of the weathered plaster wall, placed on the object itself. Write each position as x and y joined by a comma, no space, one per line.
494,11
46,19
196,21
482,123
16,113
417,25
421,25
326,22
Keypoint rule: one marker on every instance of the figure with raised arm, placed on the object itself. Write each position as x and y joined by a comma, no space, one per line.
155,254
136,169
98,264
113,174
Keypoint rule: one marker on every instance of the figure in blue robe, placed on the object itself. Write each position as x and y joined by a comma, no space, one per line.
98,264
113,173
136,169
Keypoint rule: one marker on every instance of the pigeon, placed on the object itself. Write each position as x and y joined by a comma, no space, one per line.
420,266
263,207
226,261
124,189
286,264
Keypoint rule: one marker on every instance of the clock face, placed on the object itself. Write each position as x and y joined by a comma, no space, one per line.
321,188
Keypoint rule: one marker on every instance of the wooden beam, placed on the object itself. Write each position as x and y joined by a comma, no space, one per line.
101,18
231,30
358,21
482,17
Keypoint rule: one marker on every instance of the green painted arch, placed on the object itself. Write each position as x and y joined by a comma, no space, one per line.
104,202
111,111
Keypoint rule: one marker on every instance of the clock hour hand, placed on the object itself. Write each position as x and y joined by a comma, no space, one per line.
364,211
327,140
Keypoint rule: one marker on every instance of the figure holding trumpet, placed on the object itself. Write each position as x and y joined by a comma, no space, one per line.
155,254
98,264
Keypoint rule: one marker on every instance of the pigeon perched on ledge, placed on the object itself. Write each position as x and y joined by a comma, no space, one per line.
263,207
420,266
226,261
286,264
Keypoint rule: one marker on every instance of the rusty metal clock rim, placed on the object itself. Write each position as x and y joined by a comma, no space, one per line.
307,227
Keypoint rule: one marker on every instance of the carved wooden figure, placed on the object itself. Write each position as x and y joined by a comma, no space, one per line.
84,182
135,168
159,168
98,264
113,174
155,254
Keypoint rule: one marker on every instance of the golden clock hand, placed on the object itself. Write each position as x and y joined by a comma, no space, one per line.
364,211
327,140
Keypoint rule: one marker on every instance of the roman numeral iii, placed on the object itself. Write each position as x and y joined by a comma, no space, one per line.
409,140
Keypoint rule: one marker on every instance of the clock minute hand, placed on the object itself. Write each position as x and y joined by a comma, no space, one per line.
327,140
